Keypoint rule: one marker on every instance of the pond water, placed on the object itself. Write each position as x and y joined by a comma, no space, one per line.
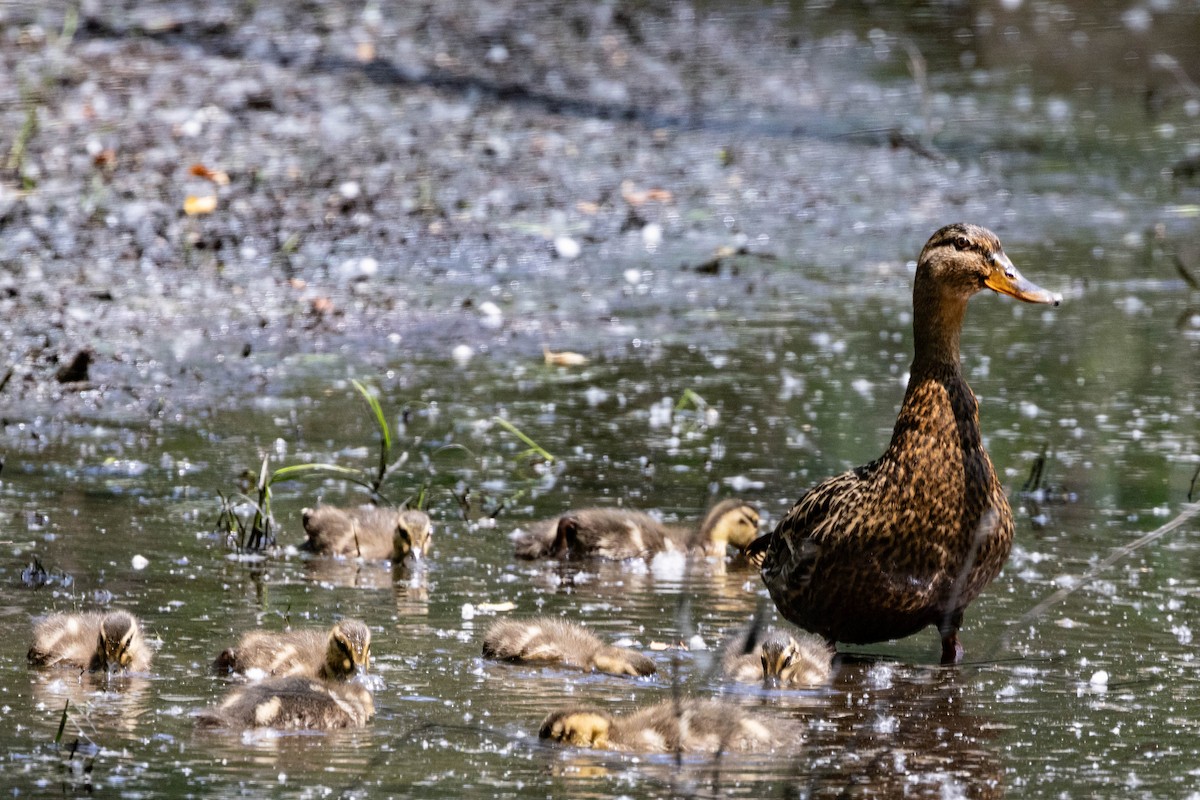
799,365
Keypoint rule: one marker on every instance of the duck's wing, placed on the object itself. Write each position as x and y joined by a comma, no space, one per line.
793,546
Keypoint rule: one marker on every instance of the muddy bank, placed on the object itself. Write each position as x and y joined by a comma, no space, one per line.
375,182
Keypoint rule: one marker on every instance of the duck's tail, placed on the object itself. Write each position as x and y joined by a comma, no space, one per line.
756,551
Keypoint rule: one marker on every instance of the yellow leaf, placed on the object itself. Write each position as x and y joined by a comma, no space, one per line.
564,358
194,205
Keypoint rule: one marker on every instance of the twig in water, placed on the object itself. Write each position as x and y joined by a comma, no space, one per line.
1189,511
1191,495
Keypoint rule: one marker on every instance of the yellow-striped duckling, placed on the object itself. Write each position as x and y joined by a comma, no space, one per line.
291,703
618,533
337,654
551,640
92,641
688,726
367,532
777,658
910,539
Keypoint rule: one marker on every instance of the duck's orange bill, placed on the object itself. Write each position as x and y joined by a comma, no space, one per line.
1005,279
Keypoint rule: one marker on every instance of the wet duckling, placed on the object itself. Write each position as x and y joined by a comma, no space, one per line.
618,533
689,726
291,703
777,658
367,532
337,654
92,641
910,539
550,640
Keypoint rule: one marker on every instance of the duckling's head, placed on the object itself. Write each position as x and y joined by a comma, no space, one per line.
120,636
414,533
731,521
787,661
580,727
962,259
778,653
620,661
349,649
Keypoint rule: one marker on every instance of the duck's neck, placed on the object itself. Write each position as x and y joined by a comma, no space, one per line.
938,406
937,326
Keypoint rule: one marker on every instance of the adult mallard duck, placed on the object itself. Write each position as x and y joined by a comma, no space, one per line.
291,703
618,533
92,641
550,640
336,654
912,538
687,725
367,532
777,658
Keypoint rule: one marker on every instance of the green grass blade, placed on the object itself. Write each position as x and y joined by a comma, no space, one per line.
62,723
533,446
385,432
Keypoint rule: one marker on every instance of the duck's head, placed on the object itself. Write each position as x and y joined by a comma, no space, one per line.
583,728
413,534
349,649
731,521
120,636
962,259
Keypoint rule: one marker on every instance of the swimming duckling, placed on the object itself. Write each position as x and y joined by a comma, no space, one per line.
93,641
367,532
777,658
550,640
291,703
619,533
336,654
689,726
910,539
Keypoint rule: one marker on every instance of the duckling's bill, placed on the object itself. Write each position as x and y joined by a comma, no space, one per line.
1007,279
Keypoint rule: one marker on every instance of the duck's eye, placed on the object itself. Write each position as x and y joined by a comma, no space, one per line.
962,243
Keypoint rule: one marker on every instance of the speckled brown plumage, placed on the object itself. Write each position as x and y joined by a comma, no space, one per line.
688,726
551,640
367,532
909,540
618,533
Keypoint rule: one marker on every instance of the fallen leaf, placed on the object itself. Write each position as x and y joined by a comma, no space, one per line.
219,177
564,358
365,52
492,608
205,204
105,158
321,305
297,283
587,207
637,197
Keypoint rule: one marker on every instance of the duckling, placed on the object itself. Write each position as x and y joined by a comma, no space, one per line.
617,533
337,654
92,641
909,540
367,532
291,703
689,726
777,658
550,640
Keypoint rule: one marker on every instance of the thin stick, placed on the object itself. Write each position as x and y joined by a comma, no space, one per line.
1189,511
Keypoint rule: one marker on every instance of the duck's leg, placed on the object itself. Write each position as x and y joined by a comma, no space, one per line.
952,649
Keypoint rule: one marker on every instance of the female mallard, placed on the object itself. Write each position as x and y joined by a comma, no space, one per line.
912,538
95,641
337,654
777,658
618,533
687,725
367,532
291,703
550,640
